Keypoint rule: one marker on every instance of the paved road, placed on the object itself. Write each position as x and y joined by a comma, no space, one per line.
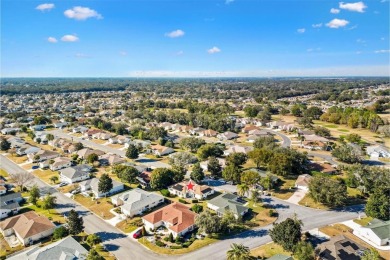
143,160
124,247
286,139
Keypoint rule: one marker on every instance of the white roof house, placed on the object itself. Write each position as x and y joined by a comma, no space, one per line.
136,201
93,185
376,151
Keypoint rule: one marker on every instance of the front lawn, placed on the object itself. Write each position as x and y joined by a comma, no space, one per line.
285,188
45,175
307,201
168,251
259,215
99,141
129,225
268,250
100,207
363,221
52,214
3,173
17,159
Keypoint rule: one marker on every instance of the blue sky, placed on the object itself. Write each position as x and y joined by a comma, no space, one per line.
180,38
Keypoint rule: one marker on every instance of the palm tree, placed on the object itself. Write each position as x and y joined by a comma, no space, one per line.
254,196
242,189
238,252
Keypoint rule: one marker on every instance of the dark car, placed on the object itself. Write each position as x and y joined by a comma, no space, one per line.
137,234
35,167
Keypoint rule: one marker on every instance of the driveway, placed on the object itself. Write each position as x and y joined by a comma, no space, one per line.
221,186
297,196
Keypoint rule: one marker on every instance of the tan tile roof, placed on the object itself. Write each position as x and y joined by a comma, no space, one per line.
176,214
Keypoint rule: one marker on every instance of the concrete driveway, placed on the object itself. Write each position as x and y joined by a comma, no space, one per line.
297,196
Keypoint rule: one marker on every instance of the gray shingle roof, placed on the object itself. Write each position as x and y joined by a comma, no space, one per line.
226,202
380,228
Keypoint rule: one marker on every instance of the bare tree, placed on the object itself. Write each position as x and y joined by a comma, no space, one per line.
21,178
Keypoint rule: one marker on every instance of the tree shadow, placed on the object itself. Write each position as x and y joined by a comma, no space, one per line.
111,247
106,236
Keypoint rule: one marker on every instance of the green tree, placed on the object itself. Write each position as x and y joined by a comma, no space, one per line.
238,252
75,223
34,195
250,178
143,231
208,223
255,196
214,167
261,157
92,158
371,254
296,110
78,146
5,145
378,204
126,173
322,131
197,208
347,154
286,233
236,159
232,173
304,251
132,152
49,202
191,144
161,178
267,141
331,192
197,173
105,183
266,182
93,239
54,179
60,232
170,237
93,255
50,137
242,189
207,150
353,138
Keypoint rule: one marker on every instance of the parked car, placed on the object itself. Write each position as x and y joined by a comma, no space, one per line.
137,234
62,184
34,167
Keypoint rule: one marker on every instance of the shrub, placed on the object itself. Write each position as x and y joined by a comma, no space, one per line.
166,239
272,213
183,201
165,193
194,201
187,244
176,247
159,243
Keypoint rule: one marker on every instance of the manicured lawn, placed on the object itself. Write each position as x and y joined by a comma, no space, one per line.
283,191
45,175
100,207
260,215
307,201
68,188
17,159
52,214
99,248
363,221
98,141
129,225
269,250
5,249
28,166
344,130
3,173
115,146
167,251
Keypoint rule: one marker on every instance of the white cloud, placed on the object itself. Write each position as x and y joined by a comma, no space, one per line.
214,50
317,25
52,40
335,11
337,23
179,53
358,52
82,13
382,51
44,7
301,30
175,34
382,38
69,38
123,53
354,7
229,1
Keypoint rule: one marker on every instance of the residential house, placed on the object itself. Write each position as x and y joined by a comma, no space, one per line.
76,173
91,132
28,227
80,129
139,143
60,124
144,179
38,127
42,155
137,201
9,204
204,164
285,126
228,201
92,185
324,168
302,182
185,128
339,248
227,136
249,128
280,257
65,249
84,153
191,190
196,130
208,133
238,149
377,231
161,150
376,151
58,164
16,142
119,139
27,149
111,159
315,142
101,136
7,131
176,217
41,137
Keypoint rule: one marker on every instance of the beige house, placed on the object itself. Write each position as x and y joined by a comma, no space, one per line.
28,227
42,155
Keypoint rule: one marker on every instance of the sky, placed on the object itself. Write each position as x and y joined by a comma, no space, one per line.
203,38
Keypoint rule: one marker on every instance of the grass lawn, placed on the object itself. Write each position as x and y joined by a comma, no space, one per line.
269,250
167,251
307,201
3,173
363,221
45,175
98,141
5,249
27,166
115,146
52,214
68,188
283,191
100,207
17,159
99,248
129,225
260,215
